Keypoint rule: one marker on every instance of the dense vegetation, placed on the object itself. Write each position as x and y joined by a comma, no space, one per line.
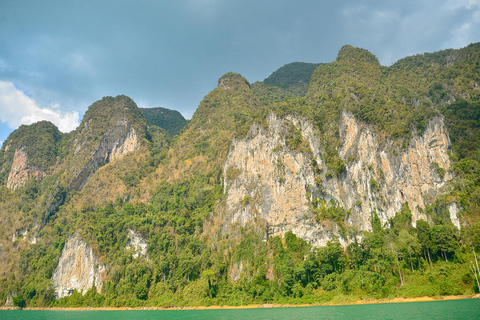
170,120
293,77
40,142
184,269
171,192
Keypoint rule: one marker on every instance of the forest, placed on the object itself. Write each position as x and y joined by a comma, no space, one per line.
171,190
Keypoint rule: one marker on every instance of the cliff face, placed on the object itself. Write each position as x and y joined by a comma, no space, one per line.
382,177
21,171
266,182
116,142
78,268
137,244
29,152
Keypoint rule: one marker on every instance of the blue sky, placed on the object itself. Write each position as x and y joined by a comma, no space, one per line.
58,57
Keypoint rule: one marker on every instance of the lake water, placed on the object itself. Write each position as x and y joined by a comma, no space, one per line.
452,309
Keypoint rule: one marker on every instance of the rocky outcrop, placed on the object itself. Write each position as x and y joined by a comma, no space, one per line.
9,301
116,142
78,269
269,183
21,171
236,271
381,177
25,234
137,244
454,210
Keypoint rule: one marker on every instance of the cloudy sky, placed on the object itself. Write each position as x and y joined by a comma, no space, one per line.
58,57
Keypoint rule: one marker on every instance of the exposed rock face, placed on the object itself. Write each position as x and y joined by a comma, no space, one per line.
25,234
78,268
236,271
381,178
454,210
267,182
9,301
129,143
137,243
21,171
117,141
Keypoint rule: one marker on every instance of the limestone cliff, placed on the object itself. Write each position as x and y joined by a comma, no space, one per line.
29,152
454,210
268,183
381,177
78,269
21,171
137,244
117,141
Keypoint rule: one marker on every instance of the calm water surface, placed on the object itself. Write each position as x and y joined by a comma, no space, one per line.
454,309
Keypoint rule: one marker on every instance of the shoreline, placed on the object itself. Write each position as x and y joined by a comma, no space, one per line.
253,306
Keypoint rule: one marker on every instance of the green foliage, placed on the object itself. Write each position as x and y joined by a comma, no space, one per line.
40,141
231,80
295,141
331,211
463,121
270,94
19,301
293,77
172,194
170,120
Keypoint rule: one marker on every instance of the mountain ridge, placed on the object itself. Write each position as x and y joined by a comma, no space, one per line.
369,176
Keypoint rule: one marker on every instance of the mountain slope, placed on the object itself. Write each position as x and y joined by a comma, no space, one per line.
293,77
366,185
170,120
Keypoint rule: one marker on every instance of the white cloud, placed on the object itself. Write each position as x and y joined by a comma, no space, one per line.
16,108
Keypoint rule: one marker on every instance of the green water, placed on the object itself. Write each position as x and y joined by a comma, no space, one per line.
454,309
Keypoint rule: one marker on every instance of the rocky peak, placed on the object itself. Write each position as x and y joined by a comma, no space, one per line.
29,152
21,171
233,80
351,55
111,128
120,106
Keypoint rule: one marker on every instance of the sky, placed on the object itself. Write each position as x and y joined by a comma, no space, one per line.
58,57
